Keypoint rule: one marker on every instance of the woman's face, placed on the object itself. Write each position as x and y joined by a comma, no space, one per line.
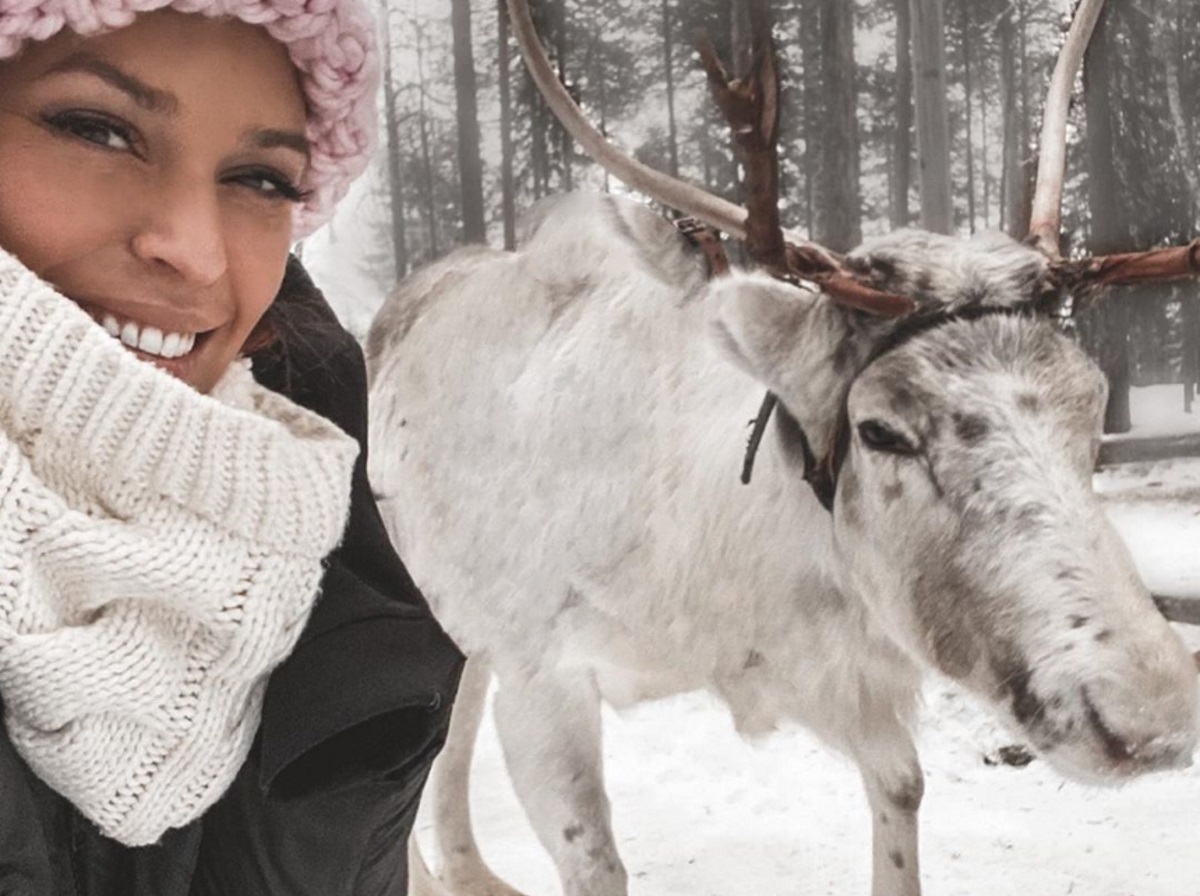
150,175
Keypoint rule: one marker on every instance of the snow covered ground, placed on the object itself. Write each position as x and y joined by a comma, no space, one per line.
700,812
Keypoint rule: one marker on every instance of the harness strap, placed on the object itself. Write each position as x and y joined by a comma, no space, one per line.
820,476
756,434
708,241
820,473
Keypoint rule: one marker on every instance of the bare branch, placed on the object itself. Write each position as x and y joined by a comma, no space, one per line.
1046,219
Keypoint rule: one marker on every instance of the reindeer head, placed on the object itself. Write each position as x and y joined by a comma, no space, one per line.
964,439
953,437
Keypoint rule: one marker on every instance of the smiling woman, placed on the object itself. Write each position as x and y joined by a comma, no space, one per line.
181,715
150,176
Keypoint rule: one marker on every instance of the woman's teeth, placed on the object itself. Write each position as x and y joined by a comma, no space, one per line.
150,340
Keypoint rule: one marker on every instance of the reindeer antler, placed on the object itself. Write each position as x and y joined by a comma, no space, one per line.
677,194
751,106
750,102
1092,273
1046,218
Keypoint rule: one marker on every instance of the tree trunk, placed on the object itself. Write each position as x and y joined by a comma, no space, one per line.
1190,367
838,217
1010,175
507,191
470,165
669,78
902,140
1026,163
395,158
1172,46
965,10
539,125
985,172
426,151
933,120
560,51
810,54
603,110
1109,232
1172,28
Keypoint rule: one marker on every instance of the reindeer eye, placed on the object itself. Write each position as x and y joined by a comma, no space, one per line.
879,437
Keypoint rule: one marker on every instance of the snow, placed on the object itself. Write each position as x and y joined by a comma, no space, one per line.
699,812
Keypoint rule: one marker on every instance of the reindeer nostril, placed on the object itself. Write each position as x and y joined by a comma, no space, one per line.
1117,748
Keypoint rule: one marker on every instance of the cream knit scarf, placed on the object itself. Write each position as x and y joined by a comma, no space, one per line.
160,551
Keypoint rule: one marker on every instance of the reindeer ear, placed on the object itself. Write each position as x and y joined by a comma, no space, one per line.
794,341
760,323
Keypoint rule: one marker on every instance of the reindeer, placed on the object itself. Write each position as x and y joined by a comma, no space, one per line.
555,438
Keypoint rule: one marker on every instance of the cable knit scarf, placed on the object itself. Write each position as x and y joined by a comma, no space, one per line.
160,551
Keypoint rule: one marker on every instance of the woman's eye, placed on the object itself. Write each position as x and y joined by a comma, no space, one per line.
880,437
269,185
94,128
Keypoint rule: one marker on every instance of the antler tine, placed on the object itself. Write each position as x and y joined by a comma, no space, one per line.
689,199
749,101
1046,219
1090,275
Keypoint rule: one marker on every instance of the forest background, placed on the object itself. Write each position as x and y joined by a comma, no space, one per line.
467,142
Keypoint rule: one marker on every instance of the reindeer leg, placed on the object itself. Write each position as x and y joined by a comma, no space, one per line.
421,881
464,872
550,730
895,784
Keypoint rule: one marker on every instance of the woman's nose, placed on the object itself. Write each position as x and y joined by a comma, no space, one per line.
182,230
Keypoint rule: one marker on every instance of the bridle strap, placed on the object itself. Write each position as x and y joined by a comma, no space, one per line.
822,474
760,426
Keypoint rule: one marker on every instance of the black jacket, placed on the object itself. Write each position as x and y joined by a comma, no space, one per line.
351,720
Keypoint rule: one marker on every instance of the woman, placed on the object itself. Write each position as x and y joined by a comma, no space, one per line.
166,521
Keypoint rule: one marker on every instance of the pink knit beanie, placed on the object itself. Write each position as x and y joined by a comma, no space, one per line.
331,43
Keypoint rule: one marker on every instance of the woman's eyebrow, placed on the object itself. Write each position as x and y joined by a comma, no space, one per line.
147,97
270,138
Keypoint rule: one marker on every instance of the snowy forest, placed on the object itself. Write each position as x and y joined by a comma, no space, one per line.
468,143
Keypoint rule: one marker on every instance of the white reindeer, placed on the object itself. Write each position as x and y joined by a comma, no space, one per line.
556,436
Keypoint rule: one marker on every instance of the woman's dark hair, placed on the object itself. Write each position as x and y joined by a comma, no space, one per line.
298,335
265,332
